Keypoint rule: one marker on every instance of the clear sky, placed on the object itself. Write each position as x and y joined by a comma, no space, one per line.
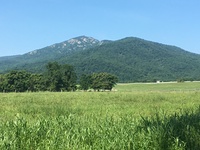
26,25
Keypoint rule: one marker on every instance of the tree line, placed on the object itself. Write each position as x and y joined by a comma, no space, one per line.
56,78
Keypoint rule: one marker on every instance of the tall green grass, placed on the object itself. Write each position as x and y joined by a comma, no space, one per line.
35,105
142,116
162,132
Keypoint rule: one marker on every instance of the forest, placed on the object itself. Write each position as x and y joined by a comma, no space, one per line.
56,78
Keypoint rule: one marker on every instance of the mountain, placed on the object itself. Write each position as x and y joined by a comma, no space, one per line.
64,48
35,60
134,59
131,59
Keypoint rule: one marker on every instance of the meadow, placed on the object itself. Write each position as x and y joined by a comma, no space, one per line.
133,116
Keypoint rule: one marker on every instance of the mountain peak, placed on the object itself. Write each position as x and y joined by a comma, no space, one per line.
67,47
82,40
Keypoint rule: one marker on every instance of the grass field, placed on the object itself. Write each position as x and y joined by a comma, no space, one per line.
135,116
159,87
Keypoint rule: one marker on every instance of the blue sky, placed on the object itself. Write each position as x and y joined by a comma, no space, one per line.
26,25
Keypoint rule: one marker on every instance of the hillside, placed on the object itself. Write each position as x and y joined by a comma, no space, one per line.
131,59
134,59
35,60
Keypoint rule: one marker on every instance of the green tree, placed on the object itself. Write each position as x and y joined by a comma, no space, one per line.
85,82
2,83
68,77
53,76
16,81
60,77
103,81
37,83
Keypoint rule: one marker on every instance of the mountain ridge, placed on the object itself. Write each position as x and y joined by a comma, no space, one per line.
139,60
131,59
66,47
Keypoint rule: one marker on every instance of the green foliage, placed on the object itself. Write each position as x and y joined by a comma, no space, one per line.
85,82
15,81
60,77
21,81
68,77
103,81
98,81
54,77
37,83
57,78
180,80
137,60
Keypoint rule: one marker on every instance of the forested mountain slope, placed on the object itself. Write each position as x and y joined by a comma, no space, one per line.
35,60
131,59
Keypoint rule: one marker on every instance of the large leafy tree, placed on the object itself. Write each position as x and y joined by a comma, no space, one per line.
2,83
53,76
68,77
37,83
16,81
60,77
85,82
103,81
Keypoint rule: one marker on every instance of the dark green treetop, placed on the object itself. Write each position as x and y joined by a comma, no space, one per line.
103,81
60,77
